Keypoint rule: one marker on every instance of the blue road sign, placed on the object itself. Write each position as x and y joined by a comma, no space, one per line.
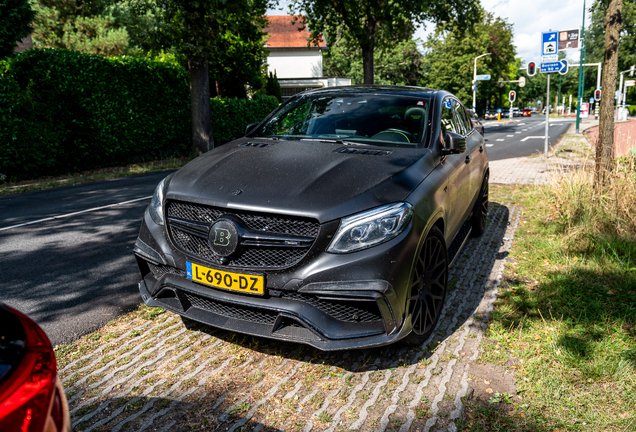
550,43
499,110
561,66
591,100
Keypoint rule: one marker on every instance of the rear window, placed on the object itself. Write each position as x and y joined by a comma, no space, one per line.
385,120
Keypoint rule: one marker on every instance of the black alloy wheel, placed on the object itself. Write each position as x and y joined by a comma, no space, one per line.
428,287
480,212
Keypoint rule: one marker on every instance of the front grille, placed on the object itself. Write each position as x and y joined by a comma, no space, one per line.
238,312
246,256
158,270
342,310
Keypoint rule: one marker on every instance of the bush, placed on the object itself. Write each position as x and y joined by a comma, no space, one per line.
64,111
230,117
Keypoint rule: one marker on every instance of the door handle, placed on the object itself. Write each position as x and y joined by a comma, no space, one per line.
468,159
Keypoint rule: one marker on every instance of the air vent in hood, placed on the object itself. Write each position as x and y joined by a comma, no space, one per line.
370,152
254,144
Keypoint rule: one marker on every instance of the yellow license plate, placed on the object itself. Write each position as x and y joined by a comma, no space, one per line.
245,283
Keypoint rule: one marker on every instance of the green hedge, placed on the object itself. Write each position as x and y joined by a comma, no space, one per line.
230,117
65,111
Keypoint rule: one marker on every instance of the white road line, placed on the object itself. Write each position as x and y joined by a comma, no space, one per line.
74,213
522,124
509,136
518,132
500,139
528,137
490,145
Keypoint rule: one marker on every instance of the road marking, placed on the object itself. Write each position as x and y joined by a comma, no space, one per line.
518,132
500,139
528,137
75,213
524,130
522,124
490,145
509,136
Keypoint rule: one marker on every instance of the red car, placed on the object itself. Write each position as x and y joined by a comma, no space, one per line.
526,113
31,395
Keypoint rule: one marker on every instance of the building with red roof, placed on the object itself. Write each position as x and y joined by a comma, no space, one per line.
296,61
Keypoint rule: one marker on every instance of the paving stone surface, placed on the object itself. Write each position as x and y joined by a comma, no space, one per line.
161,374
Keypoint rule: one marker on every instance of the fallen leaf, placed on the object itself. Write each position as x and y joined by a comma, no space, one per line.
489,390
515,367
624,415
611,292
486,382
537,337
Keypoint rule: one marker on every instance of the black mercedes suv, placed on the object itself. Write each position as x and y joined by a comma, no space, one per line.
333,222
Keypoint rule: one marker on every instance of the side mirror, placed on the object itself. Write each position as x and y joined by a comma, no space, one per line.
249,127
454,144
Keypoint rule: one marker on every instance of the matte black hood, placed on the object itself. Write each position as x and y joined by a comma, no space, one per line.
304,178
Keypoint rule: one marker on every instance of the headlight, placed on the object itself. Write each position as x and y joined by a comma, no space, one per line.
156,203
371,228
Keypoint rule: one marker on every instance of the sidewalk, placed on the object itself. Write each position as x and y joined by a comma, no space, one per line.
572,151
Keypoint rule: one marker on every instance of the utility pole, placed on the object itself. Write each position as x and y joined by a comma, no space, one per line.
581,55
559,96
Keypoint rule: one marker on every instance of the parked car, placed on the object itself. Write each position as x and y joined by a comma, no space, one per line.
505,113
332,223
526,112
31,395
516,112
477,124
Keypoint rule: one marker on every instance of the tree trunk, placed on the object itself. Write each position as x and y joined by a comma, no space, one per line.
202,139
613,26
367,62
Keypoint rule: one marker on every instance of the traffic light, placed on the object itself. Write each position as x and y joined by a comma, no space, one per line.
532,69
512,96
475,85
597,95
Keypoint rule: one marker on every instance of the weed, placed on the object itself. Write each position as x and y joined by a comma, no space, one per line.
500,397
325,417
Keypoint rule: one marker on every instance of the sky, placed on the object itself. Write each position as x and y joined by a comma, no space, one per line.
529,18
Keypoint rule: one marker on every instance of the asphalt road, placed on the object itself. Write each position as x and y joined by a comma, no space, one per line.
522,137
66,253
73,274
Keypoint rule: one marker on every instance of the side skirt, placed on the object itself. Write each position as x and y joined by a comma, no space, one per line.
459,242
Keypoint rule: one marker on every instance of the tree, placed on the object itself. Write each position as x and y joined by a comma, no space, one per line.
372,24
400,64
15,20
450,54
613,27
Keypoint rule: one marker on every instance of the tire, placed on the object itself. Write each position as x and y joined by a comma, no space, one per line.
480,211
428,288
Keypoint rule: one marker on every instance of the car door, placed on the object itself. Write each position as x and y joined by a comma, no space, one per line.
459,178
474,153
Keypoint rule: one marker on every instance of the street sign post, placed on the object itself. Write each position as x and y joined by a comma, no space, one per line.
569,39
482,77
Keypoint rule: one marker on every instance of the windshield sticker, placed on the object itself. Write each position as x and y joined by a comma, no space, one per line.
420,103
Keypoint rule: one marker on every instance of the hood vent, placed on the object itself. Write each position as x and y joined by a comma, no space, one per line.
254,144
370,152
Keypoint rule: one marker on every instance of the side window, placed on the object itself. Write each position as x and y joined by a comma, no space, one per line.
459,119
467,121
448,118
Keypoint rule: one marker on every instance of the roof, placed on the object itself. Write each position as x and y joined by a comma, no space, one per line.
284,33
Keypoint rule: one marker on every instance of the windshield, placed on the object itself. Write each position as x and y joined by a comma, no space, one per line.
369,119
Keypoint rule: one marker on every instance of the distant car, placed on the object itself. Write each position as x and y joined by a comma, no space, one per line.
490,115
516,112
505,113
474,119
31,395
526,112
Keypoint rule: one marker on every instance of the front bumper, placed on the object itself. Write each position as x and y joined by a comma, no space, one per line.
328,301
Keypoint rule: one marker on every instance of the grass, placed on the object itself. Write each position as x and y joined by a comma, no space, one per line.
565,319
90,176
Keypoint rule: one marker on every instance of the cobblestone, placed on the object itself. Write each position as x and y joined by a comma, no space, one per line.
207,379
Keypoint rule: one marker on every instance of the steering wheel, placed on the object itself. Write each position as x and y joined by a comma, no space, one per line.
396,135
